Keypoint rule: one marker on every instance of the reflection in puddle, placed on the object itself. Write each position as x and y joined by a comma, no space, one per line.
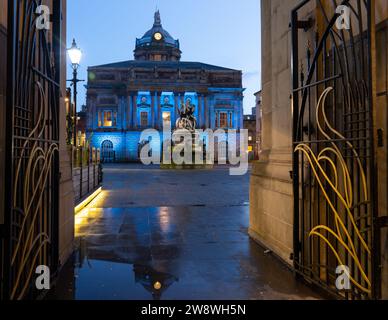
153,281
194,253
99,279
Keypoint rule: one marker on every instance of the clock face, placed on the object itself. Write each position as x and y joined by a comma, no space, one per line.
158,36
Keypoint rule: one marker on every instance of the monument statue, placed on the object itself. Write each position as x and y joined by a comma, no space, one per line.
187,119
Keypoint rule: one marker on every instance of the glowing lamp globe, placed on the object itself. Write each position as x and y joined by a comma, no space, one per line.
75,54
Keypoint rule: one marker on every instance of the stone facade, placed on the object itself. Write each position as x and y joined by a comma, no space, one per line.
127,97
271,184
66,191
250,125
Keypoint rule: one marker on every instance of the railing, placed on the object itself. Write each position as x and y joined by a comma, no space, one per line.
87,171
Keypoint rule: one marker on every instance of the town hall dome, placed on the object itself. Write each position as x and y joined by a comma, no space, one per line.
157,44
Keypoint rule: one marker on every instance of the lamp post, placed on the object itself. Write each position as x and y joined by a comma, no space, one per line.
75,55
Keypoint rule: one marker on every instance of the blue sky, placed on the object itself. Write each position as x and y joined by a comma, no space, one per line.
219,32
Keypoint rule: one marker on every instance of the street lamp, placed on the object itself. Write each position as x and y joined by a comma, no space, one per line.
75,55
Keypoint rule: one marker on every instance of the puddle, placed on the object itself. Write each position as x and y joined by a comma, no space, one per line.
105,280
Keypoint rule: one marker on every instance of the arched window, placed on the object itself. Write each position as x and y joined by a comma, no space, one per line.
107,152
107,145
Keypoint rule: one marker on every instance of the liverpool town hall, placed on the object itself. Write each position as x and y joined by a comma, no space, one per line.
125,98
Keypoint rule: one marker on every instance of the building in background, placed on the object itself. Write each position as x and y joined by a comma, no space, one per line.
82,117
124,98
250,125
258,113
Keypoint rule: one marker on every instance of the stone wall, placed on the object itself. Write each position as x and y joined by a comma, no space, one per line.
66,193
271,197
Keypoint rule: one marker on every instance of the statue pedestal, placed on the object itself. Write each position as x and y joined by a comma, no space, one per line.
198,156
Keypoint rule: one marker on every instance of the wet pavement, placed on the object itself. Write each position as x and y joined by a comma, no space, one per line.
155,234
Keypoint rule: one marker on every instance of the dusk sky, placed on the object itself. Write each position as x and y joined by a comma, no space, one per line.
220,32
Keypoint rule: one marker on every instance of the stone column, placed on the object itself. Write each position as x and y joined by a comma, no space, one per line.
200,98
272,225
120,120
207,112
134,111
179,100
129,112
203,113
212,115
240,112
153,109
157,110
176,106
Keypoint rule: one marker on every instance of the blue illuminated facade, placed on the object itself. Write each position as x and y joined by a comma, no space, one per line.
127,97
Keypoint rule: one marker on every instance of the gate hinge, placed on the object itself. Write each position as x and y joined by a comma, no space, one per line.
382,222
305,24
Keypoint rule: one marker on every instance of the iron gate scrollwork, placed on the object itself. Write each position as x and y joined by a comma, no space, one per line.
333,160
32,138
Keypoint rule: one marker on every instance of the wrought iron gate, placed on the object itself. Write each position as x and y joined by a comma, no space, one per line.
333,161
32,137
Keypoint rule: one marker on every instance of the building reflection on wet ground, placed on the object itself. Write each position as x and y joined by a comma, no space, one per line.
198,249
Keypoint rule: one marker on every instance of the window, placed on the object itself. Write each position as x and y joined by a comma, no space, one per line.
223,120
231,120
108,119
250,138
166,119
157,57
144,119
